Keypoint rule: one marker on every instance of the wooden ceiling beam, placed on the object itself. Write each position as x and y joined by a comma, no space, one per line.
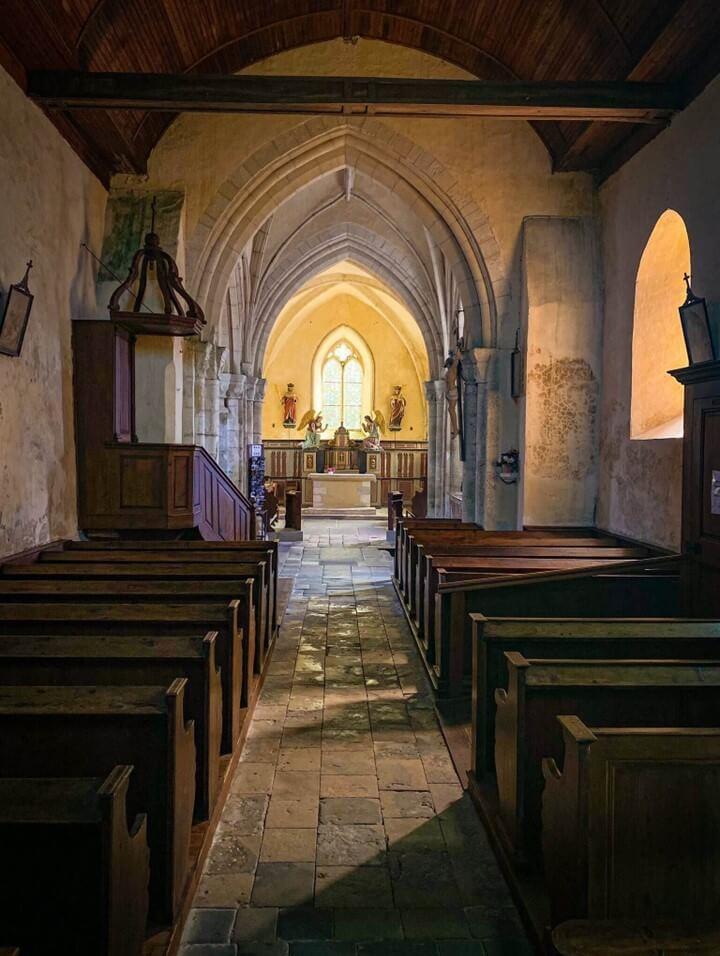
612,102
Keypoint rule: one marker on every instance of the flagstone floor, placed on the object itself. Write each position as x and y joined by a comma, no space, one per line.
346,832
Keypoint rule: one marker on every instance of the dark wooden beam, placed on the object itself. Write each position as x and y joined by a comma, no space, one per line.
612,102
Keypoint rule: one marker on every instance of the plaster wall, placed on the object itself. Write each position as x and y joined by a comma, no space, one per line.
50,204
563,334
640,481
290,354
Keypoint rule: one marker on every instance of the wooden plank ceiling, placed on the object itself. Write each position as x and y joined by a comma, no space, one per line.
659,41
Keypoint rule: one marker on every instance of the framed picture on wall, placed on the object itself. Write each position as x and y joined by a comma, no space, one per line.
16,313
696,328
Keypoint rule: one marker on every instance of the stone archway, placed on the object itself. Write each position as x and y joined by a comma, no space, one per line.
459,263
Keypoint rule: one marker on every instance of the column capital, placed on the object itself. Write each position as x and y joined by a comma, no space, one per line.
235,388
479,366
434,389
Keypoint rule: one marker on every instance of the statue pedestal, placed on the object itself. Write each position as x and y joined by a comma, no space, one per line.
344,494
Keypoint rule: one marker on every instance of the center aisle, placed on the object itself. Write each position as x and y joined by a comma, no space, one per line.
347,832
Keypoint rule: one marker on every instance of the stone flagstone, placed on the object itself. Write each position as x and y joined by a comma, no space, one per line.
346,831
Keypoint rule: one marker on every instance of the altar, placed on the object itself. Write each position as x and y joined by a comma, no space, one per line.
343,494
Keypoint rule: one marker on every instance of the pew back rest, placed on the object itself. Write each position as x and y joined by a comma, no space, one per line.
564,638
617,809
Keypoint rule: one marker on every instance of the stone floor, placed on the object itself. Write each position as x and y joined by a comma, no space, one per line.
347,832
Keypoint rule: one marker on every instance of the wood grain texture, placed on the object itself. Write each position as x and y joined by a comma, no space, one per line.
601,41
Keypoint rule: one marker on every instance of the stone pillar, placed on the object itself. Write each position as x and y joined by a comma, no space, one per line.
232,446
208,366
562,315
188,408
482,421
438,452
256,399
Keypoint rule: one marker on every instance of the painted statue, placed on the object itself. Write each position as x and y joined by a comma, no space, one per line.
452,365
314,423
289,404
372,425
398,403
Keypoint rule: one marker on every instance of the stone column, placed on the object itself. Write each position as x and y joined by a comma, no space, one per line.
209,360
232,443
480,419
258,400
562,302
437,448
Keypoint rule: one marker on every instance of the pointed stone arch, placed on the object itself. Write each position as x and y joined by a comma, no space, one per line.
280,168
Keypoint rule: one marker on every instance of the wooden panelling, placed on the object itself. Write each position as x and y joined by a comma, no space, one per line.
142,481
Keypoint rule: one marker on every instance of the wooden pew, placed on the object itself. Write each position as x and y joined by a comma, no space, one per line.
102,659
155,620
468,566
406,526
446,542
196,547
79,730
565,639
156,571
126,590
76,866
631,826
538,594
646,693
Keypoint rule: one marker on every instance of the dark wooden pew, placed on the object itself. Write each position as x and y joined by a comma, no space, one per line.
446,541
155,620
474,564
631,828
102,659
646,693
182,572
79,730
565,639
407,525
125,590
76,866
584,593
197,547
250,563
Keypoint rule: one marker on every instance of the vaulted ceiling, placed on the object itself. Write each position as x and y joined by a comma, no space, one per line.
675,41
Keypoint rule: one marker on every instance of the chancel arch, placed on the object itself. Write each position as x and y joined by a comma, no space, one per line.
348,308
657,341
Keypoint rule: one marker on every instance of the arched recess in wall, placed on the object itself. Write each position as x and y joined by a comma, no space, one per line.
345,303
658,345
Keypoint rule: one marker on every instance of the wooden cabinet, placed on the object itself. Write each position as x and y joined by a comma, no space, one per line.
701,478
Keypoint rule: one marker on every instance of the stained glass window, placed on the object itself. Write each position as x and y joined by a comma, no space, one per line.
342,381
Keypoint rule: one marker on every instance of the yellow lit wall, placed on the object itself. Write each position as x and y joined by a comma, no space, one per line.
395,343
658,344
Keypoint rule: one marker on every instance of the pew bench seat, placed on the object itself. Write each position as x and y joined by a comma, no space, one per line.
72,731
633,938
79,866
160,620
99,659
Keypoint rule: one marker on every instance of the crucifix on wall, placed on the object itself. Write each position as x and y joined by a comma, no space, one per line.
454,391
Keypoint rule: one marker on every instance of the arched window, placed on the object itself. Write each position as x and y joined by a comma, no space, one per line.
656,409
342,387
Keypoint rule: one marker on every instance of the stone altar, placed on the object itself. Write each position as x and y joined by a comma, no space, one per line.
342,493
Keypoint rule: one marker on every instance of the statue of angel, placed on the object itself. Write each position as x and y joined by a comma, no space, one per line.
312,420
372,425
